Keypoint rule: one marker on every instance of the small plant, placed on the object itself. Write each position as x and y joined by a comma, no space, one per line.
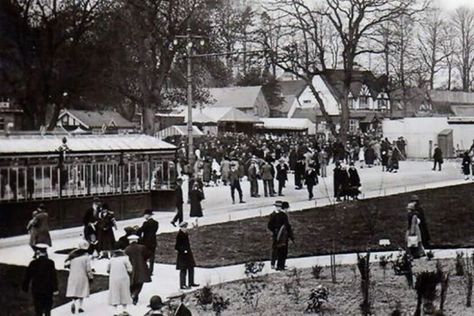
383,262
219,304
429,255
426,283
402,266
316,299
363,263
459,263
204,297
293,286
468,280
253,286
316,270
444,280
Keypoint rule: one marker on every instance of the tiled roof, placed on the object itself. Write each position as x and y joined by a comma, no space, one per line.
96,119
237,97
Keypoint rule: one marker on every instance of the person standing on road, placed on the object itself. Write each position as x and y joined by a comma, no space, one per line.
39,228
225,170
234,180
280,227
253,178
185,260
80,274
41,273
119,268
281,175
138,255
105,231
310,179
354,182
196,197
92,212
147,235
437,157
466,166
178,194
267,177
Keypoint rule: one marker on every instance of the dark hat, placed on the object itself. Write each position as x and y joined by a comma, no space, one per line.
351,163
179,180
129,229
414,198
95,199
155,302
285,205
41,206
278,203
148,211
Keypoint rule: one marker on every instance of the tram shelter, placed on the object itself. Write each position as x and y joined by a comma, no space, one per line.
65,172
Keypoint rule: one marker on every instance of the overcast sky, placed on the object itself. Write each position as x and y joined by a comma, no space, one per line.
453,4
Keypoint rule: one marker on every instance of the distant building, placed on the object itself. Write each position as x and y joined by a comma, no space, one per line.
249,100
290,90
10,116
94,121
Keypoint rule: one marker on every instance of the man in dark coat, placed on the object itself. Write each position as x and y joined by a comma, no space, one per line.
185,260
178,193
281,230
425,234
281,175
147,235
41,273
138,255
91,235
311,179
234,180
299,172
92,212
354,181
338,181
438,158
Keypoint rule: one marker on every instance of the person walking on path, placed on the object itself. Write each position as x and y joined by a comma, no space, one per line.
39,228
466,166
123,242
425,233
105,231
119,268
92,212
252,173
196,197
267,177
90,235
41,274
323,162
280,227
310,179
234,180
338,182
185,260
138,255
299,173
281,175
147,234
178,193
225,170
437,157
413,234
80,274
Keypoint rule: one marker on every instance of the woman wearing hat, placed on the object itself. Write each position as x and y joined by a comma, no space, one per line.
105,231
39,228
80,273
413,234
196,197
119,269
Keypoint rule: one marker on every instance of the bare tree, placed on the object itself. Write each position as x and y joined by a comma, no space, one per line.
355,23
430,43
463,21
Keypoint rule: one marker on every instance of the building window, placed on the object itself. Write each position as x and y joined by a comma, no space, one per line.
2,123
353,126
382,104
364,102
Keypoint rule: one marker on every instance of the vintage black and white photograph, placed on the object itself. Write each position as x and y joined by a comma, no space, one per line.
236,157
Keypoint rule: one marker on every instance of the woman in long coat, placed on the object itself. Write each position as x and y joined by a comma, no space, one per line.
413,235
196,196
119,269
39,228
80,272
225,170
105,231
466,165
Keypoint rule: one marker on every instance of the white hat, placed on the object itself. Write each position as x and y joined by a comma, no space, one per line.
132,237
84,245
42,247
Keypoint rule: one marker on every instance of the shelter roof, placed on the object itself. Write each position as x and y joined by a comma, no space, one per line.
298,124
290,90
31,144
180,130
97,119
220,114
238,97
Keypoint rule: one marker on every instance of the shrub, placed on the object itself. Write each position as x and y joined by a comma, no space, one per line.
402,266
316,299
204,297
316,270
426,283
219,304
252,286
253,268
293,285
430,255
383,261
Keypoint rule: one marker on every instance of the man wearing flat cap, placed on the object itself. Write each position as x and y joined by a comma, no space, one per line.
147,235
138,255
41,273
185,260
280,227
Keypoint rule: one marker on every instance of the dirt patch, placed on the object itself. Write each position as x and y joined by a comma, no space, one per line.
345,227
344,296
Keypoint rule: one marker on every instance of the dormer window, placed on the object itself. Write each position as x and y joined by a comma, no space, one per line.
364,97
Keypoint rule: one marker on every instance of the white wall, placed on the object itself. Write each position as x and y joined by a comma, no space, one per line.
418,131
